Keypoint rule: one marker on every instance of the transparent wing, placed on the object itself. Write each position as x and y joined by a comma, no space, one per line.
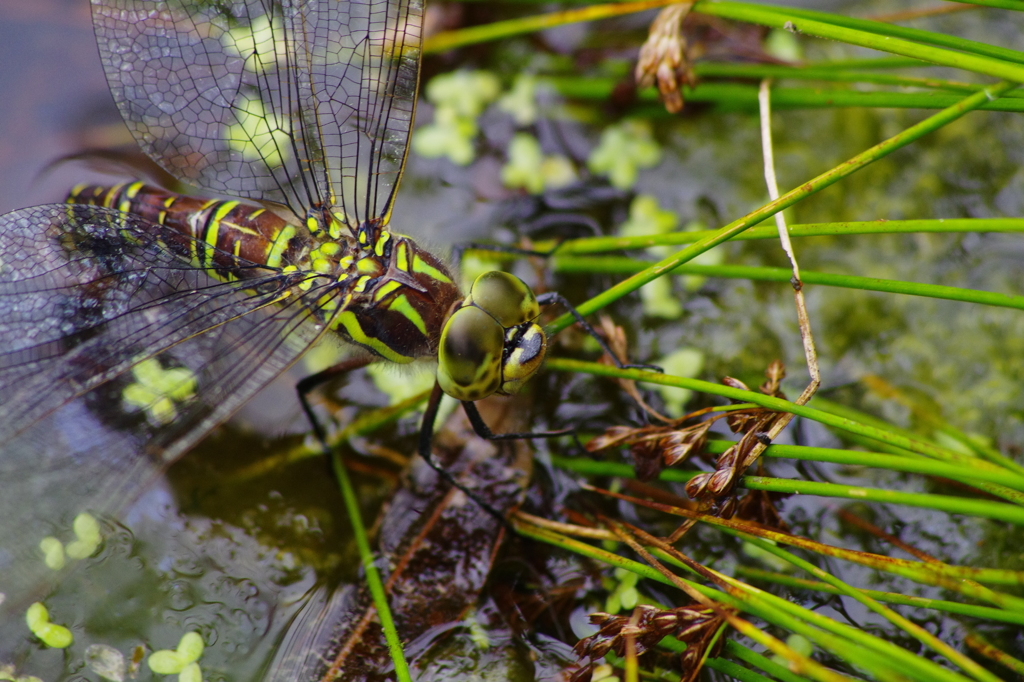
293,101
117,356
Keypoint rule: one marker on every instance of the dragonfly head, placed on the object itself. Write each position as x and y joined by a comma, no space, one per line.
491,343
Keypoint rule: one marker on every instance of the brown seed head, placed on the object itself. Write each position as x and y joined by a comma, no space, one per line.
662,57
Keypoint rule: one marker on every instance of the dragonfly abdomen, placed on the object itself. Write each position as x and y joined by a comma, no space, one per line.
227,237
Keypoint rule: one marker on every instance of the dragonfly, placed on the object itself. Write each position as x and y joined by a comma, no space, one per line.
133,320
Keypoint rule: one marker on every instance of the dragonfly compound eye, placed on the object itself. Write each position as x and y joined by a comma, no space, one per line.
469,357
506,297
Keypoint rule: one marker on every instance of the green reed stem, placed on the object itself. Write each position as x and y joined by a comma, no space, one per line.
588,245
737,671
831,72
450,40
984,451
952,505
966,468
793,196
373,579
743,97
916,631
739,97
621,265
998,62
1000,4
946,503
970,610
747,655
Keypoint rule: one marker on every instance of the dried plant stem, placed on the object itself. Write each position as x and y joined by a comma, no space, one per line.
764,98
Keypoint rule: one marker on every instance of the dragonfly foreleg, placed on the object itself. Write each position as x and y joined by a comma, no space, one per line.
426,451
555,297
307,384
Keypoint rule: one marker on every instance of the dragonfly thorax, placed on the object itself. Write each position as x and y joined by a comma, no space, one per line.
389,296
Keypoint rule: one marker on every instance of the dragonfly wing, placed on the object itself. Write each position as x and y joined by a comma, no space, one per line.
292,101
118,355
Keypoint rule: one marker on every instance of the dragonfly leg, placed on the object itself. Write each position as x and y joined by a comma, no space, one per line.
307,384
485,432
426,450
555,297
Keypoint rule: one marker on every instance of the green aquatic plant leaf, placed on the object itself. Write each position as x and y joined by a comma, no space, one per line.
623,151
530,169
521,100
52,635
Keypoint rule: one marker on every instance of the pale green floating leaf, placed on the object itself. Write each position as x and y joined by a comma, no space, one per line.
433,142
256,43
7,675
450,134
521,100
162,411
56,636
478,635
258,135
466,92
472,266
626,577
646,217
138,395
106,661
36,616
797,643
773,562
629,597
800,644
528,168
87,530
684,362
624,595
191,673
191,646
947,441
713,256
604,673
659,300
157,389
398,387
624,150
782,44
52,635
557,171
159,408
179,383
53,554
166,662
524,162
